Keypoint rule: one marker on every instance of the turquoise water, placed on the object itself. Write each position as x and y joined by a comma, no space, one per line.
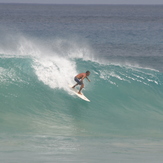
42,121
125,100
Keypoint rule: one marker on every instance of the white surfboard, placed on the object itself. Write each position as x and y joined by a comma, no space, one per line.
79,95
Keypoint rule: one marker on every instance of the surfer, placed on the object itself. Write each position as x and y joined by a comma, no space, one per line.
79,79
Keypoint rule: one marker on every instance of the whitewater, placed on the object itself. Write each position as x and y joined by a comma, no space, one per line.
42,121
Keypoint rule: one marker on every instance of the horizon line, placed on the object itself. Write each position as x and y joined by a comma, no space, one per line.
77,3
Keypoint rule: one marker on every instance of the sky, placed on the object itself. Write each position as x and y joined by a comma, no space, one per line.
85,1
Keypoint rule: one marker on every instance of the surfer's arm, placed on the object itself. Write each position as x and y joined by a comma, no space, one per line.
88,79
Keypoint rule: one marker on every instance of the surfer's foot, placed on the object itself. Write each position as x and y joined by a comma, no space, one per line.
79,93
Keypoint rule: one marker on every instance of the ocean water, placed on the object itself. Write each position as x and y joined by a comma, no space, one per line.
42,48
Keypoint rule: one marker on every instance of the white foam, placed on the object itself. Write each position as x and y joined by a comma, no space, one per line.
53,59
56,72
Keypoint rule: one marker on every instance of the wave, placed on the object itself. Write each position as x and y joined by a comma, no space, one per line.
34,76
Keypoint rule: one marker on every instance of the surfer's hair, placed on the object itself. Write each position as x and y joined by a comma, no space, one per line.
87,72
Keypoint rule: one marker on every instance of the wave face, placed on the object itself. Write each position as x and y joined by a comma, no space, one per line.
126,99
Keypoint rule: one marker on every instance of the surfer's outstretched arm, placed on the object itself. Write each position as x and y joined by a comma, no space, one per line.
88,79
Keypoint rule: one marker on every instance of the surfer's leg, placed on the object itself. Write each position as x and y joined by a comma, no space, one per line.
78,82
75,85
82,86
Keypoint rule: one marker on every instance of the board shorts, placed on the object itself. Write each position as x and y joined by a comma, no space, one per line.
78,81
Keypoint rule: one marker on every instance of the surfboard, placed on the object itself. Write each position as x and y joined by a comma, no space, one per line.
75,91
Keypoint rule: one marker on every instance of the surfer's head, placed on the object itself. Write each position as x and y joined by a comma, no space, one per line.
87,73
